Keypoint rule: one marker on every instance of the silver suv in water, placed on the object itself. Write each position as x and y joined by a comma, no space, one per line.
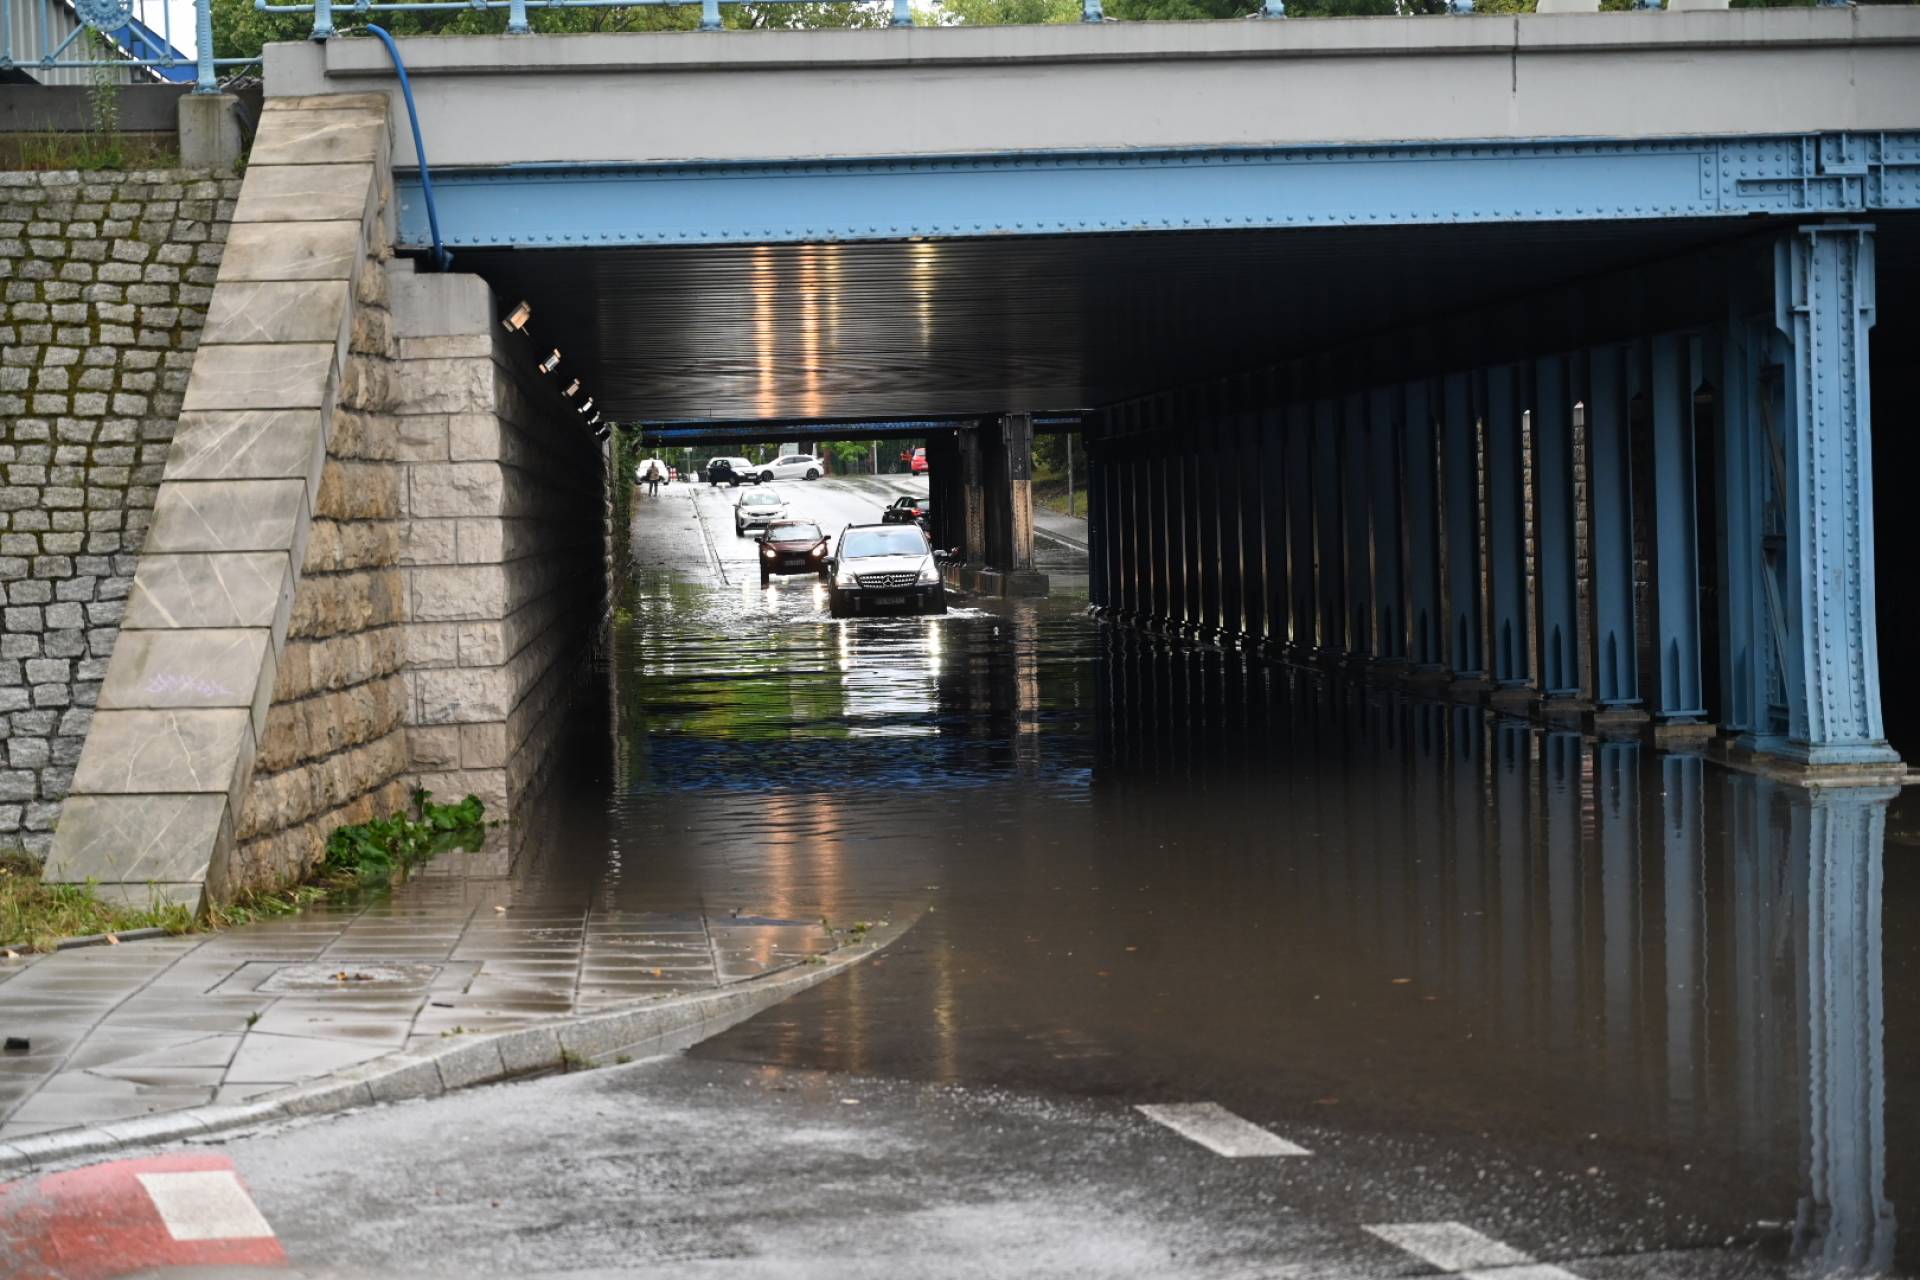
884,568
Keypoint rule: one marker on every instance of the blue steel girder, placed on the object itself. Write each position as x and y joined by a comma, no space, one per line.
1053,192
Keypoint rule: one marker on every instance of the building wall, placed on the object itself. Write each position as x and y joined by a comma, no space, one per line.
104,286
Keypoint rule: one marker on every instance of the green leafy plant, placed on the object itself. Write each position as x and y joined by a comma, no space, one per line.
373,853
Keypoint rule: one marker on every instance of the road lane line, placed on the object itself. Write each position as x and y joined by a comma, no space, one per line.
205,1205
1458,1249
1220,1131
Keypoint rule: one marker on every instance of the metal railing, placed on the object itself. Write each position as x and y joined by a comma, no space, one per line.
518,10
48,40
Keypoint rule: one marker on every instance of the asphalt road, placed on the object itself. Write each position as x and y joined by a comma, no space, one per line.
1424,1000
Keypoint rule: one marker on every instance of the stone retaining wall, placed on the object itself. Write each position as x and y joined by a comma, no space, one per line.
104,285
334,751
248,706
376,557
505,499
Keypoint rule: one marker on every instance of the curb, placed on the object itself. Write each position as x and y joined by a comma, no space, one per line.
100,939
456,1063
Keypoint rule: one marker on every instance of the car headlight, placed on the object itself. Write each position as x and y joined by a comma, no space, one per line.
767,551
929,573
845,576
820,550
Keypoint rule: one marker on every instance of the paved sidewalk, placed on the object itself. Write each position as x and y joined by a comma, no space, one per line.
119,1032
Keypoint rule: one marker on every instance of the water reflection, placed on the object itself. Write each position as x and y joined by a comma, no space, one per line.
1672,948
1167,872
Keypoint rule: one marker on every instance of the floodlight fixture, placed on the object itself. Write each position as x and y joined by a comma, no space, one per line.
551,363
517,319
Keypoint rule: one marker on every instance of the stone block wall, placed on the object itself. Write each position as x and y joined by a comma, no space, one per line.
334,749
376,556
105,280
505,505
234,665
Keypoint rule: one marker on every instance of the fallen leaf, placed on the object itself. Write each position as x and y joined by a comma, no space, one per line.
112,941
1327,1102
499,908
1401,982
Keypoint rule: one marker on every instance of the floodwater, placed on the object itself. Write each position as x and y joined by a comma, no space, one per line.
1152,873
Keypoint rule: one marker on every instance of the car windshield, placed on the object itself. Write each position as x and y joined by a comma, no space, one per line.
793,533
882,542
763,498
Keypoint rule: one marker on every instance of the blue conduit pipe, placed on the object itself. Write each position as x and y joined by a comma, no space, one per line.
441,258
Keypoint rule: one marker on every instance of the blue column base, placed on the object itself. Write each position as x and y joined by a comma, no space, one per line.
1876,754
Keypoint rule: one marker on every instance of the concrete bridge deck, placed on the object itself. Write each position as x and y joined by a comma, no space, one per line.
672,97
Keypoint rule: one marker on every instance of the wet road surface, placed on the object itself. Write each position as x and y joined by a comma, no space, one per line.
1620,1010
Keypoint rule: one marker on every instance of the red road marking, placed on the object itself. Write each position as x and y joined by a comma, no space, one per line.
100,1222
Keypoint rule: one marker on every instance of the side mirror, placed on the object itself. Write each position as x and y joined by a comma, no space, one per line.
941,557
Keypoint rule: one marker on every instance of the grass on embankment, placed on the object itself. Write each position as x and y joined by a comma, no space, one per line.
367,856
87,152
1050,494
34,916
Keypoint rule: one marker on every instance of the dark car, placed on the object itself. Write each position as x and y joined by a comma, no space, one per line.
792,546
907,511
731,471
885,568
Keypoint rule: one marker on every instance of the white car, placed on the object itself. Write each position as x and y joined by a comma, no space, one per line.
640,472
792,466
758,508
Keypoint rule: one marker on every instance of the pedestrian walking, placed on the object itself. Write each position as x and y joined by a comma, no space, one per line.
653,479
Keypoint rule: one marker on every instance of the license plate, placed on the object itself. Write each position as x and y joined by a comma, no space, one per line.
794,562
889,599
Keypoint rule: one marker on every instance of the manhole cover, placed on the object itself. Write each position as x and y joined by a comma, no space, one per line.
349,975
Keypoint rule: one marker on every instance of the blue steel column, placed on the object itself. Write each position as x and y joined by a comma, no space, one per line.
1506,532
1616,680
1303,620
1422,540
1254,477
1190,433
1329,564
1556,553
1099,511
1824,304
1460,477
1154,480
1209,478
1273,485
1676,555
1740,567
1352,411
1389,581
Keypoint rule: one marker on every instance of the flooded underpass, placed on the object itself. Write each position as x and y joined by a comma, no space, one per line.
1603,997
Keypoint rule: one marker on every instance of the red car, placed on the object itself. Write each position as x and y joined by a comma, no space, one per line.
792,546
919,463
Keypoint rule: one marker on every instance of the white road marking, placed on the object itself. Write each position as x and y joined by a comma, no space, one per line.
1458,1249
205,1205
1220,1131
